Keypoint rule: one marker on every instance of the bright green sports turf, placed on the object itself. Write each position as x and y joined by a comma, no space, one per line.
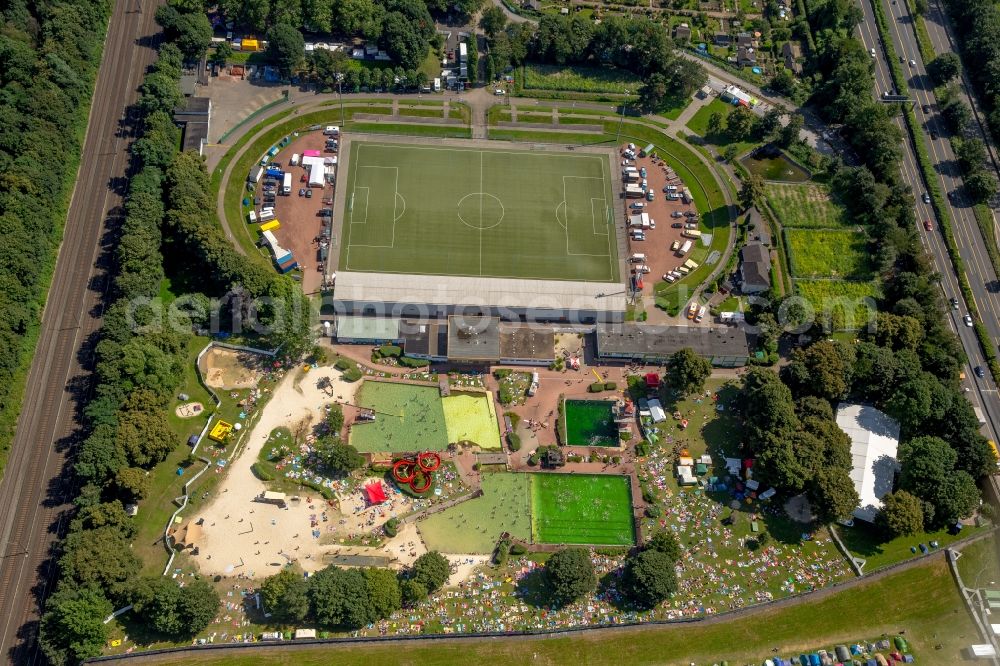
426,210
581,509
407,418
590,423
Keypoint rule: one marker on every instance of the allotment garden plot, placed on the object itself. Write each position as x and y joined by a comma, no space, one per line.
464,211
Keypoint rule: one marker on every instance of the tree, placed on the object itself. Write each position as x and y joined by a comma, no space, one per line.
191,32
431,570
285,46
945,67
335,418
752,190
649,578
653,92
102,557
413,592
925,462
822,369
900,515
768,408
666,543
337,456
72,628
730,152
832,495
740,124
981,185
956,498
223,52
384,595
688,371
570,575
286,596
174,610
789,134
715,124
769,124
132,482
492,21
339,598
403,41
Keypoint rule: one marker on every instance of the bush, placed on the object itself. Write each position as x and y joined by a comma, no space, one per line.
505,395
390,351
513,441
596,387
501,373
642,449
616,459
322,490
610,386
391,527
261,473
533,459
518,549
408,362
574,459
352,374
342,364
514,419
653,511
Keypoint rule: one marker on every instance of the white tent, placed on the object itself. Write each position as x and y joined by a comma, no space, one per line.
874,439
317,170
656,411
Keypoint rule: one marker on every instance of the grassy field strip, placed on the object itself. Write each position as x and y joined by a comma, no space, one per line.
922,600
828,253
805,205
579,79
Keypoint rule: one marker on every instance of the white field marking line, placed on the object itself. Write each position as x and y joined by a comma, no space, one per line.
579,254
367,192
598,216
609,217
537,153
561,204
481,212
352,178
486,275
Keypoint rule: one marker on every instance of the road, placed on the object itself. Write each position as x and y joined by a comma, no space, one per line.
34,491
981,392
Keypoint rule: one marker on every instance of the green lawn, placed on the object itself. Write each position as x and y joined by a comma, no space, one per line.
699,125
848,305
581,509
407,418
979,564
828,253
590,423
805,205
475,525
580,79
470,417
864,541
421,209
922,601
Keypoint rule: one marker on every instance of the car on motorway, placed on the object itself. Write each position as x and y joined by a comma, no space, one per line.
933,135
913,63
872,51
926,198
926,108
968,320
979,371
954,303
928,225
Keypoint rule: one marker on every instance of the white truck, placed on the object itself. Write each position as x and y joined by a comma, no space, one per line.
685,248
286,185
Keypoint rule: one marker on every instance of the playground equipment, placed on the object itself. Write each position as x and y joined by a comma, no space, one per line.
417,472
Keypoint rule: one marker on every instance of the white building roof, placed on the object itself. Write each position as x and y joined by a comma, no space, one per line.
874,440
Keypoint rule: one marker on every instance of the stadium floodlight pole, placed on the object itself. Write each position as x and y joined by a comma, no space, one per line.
340,95
622,119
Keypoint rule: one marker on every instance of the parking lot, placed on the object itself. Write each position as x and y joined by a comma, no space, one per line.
301,223
656,245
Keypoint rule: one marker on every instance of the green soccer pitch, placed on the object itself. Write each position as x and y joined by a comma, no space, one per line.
490,212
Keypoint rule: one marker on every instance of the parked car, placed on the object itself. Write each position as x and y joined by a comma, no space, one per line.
677,213
690,213
309,194
638,236
326,212
302,191
642,172
638,205
677,225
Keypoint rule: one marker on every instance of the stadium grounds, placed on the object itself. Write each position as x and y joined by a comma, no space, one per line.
482,209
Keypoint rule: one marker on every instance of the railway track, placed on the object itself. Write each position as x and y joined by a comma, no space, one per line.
35,490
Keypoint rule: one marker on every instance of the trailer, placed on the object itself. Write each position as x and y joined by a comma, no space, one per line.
286,184
634,192
685,248
270,226
255,174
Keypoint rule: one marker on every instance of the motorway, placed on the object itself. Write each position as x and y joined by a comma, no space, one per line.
982,392
34,491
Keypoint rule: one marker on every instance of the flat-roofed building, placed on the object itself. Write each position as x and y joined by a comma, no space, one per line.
527,345
367,330
724,346
425,339
473,339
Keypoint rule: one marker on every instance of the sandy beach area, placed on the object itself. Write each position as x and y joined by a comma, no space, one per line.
255,539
